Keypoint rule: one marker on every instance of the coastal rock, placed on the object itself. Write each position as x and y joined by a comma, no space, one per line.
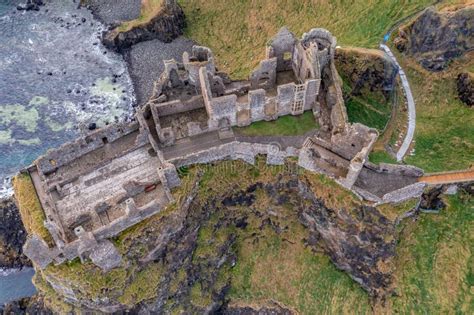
112,12
465,87
31,5
435,38
30,305
165,26
12,237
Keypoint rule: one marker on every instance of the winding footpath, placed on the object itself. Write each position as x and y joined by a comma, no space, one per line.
402,151
411,105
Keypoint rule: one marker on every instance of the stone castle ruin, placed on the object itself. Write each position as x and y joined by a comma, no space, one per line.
99,185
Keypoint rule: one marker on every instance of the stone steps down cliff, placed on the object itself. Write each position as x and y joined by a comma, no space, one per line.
167,25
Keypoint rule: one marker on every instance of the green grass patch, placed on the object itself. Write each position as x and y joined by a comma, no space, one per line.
144,286
284,126
368,111
435,261
378,157
444,135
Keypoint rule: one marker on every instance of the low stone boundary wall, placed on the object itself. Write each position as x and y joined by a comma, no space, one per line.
237,151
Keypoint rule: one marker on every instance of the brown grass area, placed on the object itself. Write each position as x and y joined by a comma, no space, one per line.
333,194
31,211
237,30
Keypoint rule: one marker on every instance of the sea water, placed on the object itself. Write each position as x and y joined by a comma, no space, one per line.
55,79
16,284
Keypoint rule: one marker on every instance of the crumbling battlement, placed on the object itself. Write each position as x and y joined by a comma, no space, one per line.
97,186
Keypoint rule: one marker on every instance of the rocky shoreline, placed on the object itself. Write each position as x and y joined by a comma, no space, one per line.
166,26
12,237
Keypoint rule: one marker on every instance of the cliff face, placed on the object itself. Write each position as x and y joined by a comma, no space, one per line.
434,38
366,70
190,256
12,237
359,241
165,26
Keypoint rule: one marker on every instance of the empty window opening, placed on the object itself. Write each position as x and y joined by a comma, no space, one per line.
105,140
297,106
299,88
287,56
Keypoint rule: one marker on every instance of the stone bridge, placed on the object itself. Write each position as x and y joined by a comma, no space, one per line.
452,177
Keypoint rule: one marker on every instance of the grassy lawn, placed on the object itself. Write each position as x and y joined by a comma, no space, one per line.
237,30
284,126
444,135
378,157
435,264
368,111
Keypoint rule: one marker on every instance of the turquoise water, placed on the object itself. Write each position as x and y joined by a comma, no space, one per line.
16,284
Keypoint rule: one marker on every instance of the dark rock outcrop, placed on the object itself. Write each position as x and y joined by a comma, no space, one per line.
360,242
435,38
166,26
465,87
31,5
431,198
251,310
30,305
366,70
12,237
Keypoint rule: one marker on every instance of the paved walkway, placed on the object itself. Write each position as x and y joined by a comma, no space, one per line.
411,106
448,177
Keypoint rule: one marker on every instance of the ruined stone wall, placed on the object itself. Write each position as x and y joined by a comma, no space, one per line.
178,106
72,150
396,169
223,108
286,95
281,47
257,104
264,77
237,150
